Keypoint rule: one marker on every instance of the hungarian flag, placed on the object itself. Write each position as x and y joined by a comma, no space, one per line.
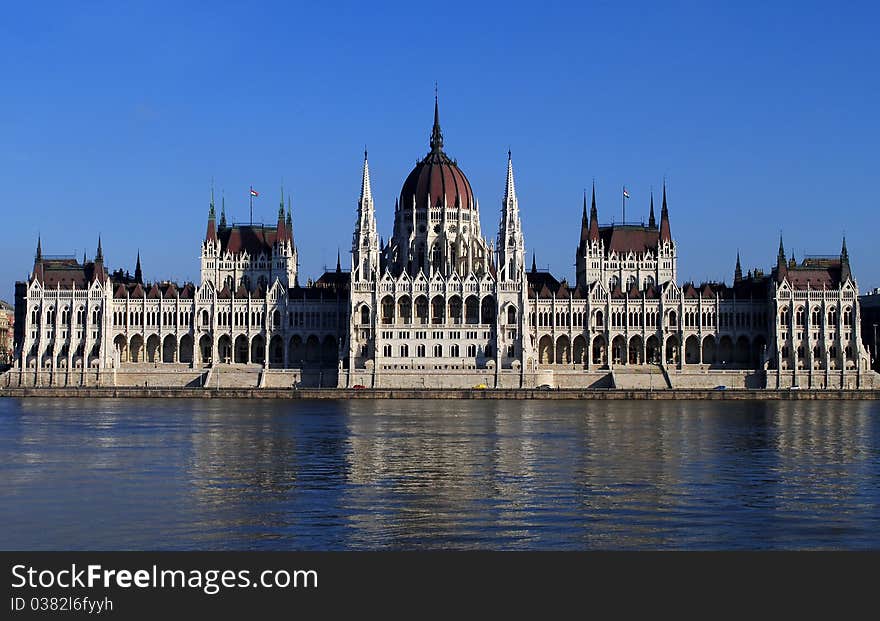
625,193
254,192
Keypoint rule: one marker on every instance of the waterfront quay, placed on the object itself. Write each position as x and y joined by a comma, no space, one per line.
395,393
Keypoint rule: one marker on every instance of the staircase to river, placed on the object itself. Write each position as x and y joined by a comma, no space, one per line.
235,376
641,377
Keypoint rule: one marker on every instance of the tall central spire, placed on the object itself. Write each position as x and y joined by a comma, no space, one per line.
366,190
436,133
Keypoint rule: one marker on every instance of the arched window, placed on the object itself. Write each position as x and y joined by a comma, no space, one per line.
365,314
613,282
511,314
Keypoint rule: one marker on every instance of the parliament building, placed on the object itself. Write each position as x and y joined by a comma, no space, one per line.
441,305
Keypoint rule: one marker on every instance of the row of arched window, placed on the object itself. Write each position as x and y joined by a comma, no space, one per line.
65,316
800,316
153,318
618,318
454,351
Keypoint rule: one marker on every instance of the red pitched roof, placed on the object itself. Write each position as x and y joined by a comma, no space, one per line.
67,273
253,239
629,238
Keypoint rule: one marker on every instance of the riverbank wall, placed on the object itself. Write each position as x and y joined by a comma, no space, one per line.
116,392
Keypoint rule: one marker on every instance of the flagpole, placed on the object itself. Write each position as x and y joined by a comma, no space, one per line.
251,196
624,205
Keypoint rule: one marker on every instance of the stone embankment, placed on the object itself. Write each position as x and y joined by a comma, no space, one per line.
387,393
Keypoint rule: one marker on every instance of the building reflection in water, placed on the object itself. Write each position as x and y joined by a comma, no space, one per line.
363,474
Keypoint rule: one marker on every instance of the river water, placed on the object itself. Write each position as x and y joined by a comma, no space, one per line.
120,474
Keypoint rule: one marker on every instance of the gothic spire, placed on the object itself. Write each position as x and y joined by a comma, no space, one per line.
781,265
138,274
99,256
594,217
338,261
845,271
665,232
366,190
211,233
39,248
281,205
436,133
737,272
534,265
365,245
223,209
509,188
585,223
510,243
280,227
651,221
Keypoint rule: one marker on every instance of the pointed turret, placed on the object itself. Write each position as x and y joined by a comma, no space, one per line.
665,232
781,267
338,261
366,188
365,242
281,225
585,225
510,243
38,261
534,264
138,274
594,217
211,233
436,133
510,185
738,271
223,211
651,221
99,256
845,270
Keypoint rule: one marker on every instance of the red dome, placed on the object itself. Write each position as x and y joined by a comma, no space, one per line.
437,178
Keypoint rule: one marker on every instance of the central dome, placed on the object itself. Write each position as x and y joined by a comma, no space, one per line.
436,179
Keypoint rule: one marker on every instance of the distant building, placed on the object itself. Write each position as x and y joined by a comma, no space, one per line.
7,328
441,305
870,305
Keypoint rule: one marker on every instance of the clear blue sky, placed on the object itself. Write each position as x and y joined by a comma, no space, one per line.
115,116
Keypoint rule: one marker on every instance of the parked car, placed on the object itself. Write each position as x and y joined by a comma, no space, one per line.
720,388
545,387
480,387
358,387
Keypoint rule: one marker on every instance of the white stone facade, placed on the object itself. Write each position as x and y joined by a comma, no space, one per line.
439,305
